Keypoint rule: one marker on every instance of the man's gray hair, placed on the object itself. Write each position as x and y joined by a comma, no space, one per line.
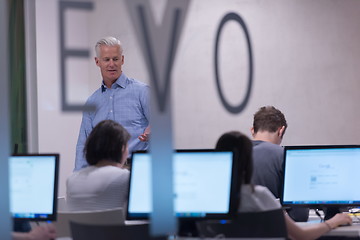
107,41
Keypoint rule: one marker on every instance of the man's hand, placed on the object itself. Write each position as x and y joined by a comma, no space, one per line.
146,135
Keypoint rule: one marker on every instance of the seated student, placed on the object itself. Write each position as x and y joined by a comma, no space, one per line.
259,198
42,232
268,130
104,183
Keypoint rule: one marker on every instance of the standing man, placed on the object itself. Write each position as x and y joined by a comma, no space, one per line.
268,156
121,99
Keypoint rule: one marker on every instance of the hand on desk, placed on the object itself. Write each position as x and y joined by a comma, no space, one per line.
42,232
339,219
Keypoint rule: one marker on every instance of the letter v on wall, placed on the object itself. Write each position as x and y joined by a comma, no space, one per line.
159,44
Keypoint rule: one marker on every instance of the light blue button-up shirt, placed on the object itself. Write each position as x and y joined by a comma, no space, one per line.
126,102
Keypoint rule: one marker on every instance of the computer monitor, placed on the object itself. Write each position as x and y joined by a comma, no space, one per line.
33,186
202,184
321,176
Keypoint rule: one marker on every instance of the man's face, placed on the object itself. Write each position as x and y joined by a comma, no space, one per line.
110,63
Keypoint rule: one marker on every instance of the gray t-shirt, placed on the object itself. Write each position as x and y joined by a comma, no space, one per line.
268,161
268,171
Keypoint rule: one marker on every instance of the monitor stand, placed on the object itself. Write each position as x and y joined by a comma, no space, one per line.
330,212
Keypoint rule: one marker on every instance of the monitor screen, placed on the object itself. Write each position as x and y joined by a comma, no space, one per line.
202,184
321,175
33,186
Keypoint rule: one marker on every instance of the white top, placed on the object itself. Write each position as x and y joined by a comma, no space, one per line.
97,188
259,200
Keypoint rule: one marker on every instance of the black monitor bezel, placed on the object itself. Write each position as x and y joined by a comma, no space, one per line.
312,205
53,216
233,192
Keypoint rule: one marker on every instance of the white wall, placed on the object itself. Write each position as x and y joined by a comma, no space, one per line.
306,63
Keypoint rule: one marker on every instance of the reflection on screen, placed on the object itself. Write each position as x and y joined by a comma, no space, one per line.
321,176
202,183
32,186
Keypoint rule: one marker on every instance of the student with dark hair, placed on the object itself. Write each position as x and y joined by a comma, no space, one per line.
255,198
104,183
268,130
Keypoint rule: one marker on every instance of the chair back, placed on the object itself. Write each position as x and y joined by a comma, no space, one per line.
100,217
82,231
268,224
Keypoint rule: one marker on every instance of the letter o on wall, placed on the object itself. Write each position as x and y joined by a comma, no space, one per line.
233,109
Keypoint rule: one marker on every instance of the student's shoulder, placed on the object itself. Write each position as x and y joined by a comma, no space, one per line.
267,146
117,174
255,189
262,190
259,191
267,197
264,143
81,174
114,170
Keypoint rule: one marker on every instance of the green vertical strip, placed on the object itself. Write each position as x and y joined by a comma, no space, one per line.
5,216
17,76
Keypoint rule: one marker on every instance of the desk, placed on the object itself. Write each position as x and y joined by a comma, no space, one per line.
346,231
352,231
182,238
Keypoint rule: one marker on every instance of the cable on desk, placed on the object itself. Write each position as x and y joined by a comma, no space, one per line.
319,215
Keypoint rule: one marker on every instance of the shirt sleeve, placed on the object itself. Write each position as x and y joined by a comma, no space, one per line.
268,201
144,100
85,129
261,199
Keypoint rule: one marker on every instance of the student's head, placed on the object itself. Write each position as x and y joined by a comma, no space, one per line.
107,141
269,119
242,147
109,58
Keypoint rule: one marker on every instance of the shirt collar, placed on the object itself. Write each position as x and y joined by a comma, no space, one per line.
120,82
